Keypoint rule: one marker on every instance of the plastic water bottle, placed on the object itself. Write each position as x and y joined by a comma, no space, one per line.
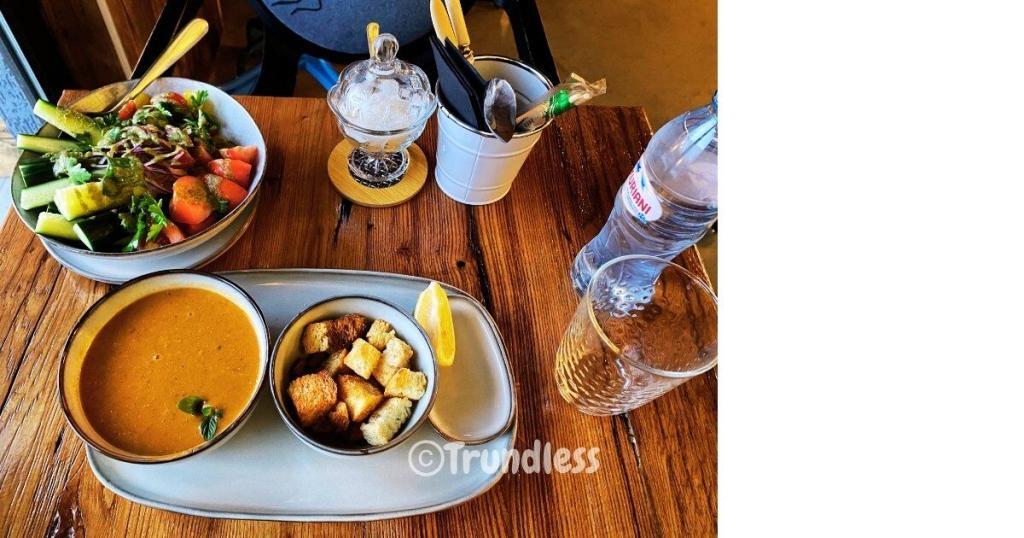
668,201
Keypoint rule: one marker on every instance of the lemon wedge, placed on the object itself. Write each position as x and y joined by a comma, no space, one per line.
435,316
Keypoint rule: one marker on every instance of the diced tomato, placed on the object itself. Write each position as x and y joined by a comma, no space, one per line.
233,169
127,111
172,234
202,154
171,97
225,189
192,229
240,153
190,202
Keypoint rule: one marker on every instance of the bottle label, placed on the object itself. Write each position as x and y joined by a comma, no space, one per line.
640,199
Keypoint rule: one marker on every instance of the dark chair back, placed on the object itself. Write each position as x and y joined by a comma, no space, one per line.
335,30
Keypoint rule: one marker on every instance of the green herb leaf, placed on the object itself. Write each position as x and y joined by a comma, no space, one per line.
192,405
146,220
208,427
163,108
110,136
153,114
79,175
157,219
65,163
109,119
198,99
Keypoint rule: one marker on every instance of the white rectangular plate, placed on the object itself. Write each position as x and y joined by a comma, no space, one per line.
264,472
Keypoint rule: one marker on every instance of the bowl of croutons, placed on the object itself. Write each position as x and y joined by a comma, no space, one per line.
353,375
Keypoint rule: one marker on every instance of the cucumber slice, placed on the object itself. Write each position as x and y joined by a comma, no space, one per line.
54,225
40,195
36,171
81,200
99,230
70,121
42,144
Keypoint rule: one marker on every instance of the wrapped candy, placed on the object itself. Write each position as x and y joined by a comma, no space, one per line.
558,100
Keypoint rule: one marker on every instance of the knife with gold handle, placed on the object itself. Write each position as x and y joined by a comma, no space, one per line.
107,98
442,24
458,20
372,31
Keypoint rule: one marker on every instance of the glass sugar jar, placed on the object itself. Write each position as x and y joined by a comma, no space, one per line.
382,105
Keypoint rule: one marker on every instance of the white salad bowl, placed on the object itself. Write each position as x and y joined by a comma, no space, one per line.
288,349
100,313
236,125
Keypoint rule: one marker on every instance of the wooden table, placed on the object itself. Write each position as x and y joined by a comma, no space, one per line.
658,464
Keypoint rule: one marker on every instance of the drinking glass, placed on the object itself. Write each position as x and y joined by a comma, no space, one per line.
644,326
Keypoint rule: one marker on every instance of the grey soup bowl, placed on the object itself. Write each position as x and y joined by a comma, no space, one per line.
103,311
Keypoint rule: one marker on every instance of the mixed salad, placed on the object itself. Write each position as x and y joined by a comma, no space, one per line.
150,174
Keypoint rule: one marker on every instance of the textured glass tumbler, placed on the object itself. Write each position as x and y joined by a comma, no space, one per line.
644,326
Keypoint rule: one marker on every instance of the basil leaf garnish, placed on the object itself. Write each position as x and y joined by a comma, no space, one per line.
192,405
208,427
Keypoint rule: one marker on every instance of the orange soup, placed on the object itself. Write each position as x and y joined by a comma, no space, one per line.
160,349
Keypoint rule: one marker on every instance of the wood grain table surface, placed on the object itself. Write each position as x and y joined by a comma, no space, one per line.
658,464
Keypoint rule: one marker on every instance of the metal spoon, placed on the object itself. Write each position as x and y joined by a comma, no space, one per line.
100,101
500,108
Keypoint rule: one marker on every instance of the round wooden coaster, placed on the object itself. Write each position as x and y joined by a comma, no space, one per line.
407,187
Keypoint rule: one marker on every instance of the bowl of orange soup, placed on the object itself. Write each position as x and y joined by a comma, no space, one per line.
164,367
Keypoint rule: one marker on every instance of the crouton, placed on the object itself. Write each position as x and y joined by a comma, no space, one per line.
379,334
338,417
386,421
332,335
363,358
313,395
359,395
335,363
396,355
406,384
